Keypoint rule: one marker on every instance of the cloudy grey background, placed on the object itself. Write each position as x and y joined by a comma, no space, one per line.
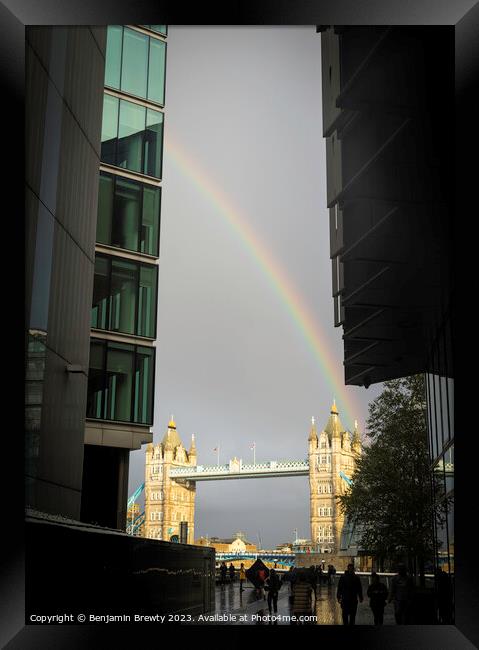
232,364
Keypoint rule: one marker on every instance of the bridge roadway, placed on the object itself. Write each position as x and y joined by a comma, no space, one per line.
235,469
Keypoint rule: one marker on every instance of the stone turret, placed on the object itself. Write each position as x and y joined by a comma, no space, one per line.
346,441
192,451
313,436
356,444
169,502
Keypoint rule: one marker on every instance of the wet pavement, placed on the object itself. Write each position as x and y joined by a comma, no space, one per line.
245,608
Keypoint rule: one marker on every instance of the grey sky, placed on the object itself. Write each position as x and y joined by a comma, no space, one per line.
233,366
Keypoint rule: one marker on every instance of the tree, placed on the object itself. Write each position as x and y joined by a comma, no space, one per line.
390,500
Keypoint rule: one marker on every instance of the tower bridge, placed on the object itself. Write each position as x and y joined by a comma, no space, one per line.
172,472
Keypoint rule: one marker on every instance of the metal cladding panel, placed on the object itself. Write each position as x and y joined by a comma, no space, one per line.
330,77
70,301
84,74
391,175
78,178
64,88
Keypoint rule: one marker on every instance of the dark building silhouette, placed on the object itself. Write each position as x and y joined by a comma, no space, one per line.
387,101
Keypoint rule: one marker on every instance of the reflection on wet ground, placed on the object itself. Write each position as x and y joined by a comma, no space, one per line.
246,608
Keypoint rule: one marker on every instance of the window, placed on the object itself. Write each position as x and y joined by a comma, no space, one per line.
156,71
131,129
128,214
132,136
161,29
109,129
113,56
124,296
136,63
120,383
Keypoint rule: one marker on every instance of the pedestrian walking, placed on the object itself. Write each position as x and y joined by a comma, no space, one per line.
319,575
302,595
349,590
312,578
331,572
242,576
444,593
231,571
401,594
223,572
378,595
272,586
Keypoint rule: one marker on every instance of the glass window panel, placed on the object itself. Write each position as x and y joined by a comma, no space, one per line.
96,380
147,301
449,468
109,129
450,533
153,143
101,293
156,71
134,63
119,381
143,404
434,445
130,135
123,296
438,414
127,214
450,401
444,411
113,56
105,209
150,220
161,29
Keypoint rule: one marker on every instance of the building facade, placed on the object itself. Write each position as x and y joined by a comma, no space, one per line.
332,461
169,504
119,411
63,91
387,93
236,544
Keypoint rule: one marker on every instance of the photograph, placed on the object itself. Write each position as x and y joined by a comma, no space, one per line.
241,328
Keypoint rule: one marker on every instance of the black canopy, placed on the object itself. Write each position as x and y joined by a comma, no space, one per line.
252,572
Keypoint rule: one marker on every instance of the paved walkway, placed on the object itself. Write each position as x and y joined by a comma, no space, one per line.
236,608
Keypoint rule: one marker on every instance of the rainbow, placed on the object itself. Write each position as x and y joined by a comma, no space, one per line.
289,296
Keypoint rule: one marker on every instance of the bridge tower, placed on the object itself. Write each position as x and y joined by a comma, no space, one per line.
331,452
168,502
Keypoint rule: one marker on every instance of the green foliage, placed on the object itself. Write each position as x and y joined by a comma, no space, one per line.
390,500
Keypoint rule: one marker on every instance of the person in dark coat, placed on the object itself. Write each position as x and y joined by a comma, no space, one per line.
349,590
302,600
378,595
231,571
331,572
319,575
444,596
272,586
402,590
313,578
223,571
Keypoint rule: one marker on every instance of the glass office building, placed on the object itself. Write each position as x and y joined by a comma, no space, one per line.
119,410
